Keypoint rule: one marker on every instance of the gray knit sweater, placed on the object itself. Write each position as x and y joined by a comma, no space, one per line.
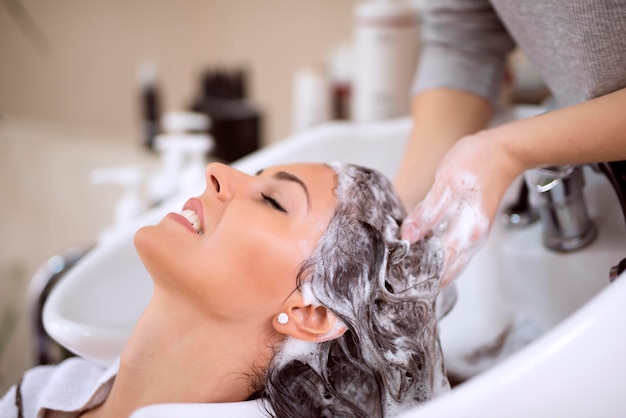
578,46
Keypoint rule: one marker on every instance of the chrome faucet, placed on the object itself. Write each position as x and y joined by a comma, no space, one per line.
557,193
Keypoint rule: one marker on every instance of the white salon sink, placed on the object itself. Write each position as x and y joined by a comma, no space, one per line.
564,355
516,284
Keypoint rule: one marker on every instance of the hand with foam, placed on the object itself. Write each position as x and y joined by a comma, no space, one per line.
461,205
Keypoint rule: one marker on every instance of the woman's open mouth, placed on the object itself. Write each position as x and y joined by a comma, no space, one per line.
192,216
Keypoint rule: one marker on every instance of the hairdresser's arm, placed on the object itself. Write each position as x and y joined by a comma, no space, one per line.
461,69
475,173
440,117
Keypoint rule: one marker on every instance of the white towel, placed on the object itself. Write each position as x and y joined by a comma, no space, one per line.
75,385
69,388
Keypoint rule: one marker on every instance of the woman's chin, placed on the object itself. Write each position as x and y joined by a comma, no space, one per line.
139,238
145,243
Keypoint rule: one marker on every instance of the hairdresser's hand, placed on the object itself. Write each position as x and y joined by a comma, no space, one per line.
461,205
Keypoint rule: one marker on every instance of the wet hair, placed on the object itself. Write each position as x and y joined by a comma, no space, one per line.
384,291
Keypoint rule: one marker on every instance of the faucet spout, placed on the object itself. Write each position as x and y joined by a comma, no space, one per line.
557,193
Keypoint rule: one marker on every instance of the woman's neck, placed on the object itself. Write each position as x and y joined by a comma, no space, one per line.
178,355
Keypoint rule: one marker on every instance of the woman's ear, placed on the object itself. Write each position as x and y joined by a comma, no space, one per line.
308,322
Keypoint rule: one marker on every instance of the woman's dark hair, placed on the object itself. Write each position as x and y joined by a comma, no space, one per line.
384,291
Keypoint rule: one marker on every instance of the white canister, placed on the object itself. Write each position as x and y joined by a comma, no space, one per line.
386,51
311,100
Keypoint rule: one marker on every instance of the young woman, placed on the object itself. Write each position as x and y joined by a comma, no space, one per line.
292,285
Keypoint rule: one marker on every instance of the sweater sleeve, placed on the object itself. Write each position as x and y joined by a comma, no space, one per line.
464,47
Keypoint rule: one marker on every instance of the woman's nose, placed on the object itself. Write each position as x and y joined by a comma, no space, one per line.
223,180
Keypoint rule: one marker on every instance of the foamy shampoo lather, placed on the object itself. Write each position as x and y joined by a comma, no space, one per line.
386,48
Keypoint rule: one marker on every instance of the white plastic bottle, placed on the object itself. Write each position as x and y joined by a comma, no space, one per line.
386,49
311,99
183,148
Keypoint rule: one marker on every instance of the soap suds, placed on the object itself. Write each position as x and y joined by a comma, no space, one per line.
384,291
458,220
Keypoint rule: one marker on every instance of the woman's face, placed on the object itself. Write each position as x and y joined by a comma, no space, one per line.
255,231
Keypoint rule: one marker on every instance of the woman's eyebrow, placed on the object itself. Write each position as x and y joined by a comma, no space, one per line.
285,176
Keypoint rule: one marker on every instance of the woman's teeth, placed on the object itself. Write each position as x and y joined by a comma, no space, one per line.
193,219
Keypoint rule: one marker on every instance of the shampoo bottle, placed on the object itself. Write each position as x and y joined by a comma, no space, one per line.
150,102
183,148
236,122
386,50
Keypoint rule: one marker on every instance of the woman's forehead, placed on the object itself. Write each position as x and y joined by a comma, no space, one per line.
312,174
318,180
305,168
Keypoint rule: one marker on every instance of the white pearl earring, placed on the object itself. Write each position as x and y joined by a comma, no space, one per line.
283,318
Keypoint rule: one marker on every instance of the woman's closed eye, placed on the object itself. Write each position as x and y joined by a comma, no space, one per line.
273,203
